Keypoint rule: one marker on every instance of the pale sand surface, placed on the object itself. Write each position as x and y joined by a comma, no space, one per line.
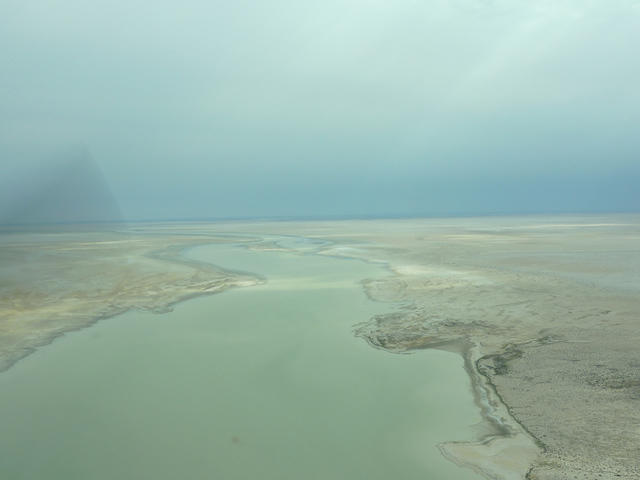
263,382
545,311
56,282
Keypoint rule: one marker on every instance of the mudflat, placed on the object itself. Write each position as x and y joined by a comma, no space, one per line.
544,310
63,280
261,382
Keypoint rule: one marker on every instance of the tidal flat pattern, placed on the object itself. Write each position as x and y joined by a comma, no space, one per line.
265,381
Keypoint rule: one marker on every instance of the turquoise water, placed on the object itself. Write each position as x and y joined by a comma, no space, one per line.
262,382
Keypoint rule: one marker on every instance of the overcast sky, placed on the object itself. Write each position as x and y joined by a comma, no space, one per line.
200,109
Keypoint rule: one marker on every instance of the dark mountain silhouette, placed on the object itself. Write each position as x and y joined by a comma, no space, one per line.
70,189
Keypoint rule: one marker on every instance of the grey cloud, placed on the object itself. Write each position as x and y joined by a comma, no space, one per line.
213,109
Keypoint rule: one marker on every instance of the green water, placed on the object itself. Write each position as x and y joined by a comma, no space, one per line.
266,382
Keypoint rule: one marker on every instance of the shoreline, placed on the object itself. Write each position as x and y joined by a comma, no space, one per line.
551,312
407,459
507,450
173,252
544,316
196,280
507,453
491,454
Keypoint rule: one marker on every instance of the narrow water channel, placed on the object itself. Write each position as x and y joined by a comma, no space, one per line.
265,382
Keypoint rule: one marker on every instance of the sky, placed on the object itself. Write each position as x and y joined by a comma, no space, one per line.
282,108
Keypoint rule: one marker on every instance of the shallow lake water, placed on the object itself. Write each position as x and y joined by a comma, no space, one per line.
261,382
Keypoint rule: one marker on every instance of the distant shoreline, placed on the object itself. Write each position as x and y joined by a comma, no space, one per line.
92,225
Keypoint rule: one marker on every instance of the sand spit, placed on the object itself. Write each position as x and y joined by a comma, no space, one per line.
54,283
546,311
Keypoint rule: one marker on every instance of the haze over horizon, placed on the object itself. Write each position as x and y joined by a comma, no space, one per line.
351,108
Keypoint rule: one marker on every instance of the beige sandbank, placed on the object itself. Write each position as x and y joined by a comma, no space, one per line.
545,311
59,281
